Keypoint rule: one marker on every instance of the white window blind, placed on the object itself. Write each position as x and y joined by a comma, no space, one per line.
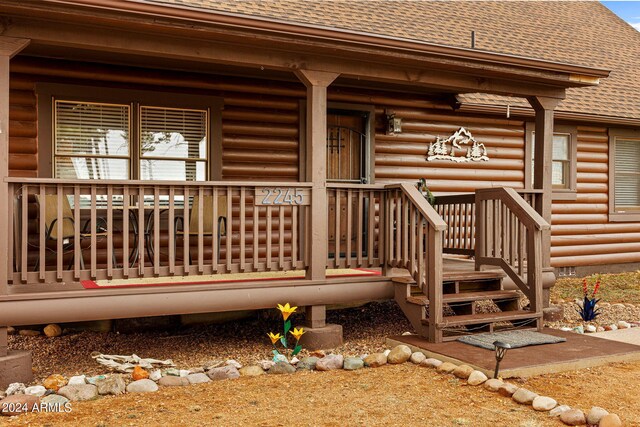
627,175
561,165
91,140
173,144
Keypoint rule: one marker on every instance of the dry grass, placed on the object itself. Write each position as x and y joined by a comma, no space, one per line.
614,288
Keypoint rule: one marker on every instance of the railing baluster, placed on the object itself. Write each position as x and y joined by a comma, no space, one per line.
242,228
399,205
171,229
126,256
381,231
256,236
336,256
229,234
24,230
281,237
412,244
200,208
42,245
349,219
93,231
142,235
110,255
371,224
215,243
360,248
269,238
186,244
156,230
405,228
294,237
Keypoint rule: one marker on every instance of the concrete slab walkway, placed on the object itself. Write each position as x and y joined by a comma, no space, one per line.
629,336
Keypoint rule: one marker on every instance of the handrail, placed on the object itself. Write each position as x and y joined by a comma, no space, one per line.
421,204
525,212
155,183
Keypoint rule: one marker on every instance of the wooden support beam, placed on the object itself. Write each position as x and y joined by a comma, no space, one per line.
316,149
316,316
3,341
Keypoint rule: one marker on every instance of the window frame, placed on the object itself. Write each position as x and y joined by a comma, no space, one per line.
614,134
570,193
48,93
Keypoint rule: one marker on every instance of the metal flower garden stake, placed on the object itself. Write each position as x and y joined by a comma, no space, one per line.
588,311
297,333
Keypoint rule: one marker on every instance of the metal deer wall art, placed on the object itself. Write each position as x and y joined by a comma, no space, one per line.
445,149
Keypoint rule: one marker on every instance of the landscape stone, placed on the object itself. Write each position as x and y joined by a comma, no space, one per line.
294,360
172,371
493,384
544,403
234,363
282,368
353,363
507,389
184,373
555,412
11,330
590,328
595,415
573,417
227,372
579,329
52,330
198,370
28,333
92,380
210,364
280,358
113,384
54,382
417,357
600,329
330,362
307,363
79,392
375,360
524,396
265,364
386,352
399,354
251,371
623,325
15,388
431,363
610,328
446,368
476,378
610,420
173,381
143,386
13,405
198,378
155,375
77,380
463,371
54,402
36,390
139,373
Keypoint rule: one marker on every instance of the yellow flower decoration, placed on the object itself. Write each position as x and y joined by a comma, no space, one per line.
297,333
274,337
286,310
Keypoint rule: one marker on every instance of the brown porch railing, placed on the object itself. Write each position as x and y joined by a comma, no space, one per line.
119,230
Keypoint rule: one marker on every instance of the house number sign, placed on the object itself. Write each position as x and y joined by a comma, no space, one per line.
278,196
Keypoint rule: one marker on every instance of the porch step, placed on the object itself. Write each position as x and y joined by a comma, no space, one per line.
466,297
462,276
473,319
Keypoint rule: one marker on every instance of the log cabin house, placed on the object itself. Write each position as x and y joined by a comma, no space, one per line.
153,150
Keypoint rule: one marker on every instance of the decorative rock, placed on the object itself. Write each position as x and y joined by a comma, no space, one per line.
463,371
406,333
29,333
282,368
234,363
52,330
265,364
54,382
578,329
55,403
476,378
610,420
595,415
353,363
375,360
77,380
223,373
173,381
610,328
139,373
330,362
198,370
172,371
93,380
623,325
446,368
113,384
213,364
565,329
543,403
15,388
524,396
573,417
294,360
36,390
280,358
155,375
417,357
11,330
386,352
399,354
590,328
184,373
198,378
2,395
251,371
431,363
318,353
79,392
507,389
143,386
555,412
600,329
307,363
16,404
493,384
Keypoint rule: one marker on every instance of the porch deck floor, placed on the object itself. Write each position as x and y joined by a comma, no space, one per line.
578,352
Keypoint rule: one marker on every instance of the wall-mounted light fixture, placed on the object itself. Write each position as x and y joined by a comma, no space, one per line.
394,124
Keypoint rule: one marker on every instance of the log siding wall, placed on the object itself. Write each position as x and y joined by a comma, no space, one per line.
261,134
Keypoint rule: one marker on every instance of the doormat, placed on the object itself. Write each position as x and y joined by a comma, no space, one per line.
222,278
515,339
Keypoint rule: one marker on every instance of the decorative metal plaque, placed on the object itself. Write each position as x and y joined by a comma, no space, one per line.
445,149
278,196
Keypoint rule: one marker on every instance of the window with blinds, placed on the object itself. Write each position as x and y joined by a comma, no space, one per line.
91,140
173,144
627,175
561,165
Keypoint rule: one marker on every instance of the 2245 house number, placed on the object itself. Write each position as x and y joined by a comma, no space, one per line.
278,196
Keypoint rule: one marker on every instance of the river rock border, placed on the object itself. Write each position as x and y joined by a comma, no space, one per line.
56,392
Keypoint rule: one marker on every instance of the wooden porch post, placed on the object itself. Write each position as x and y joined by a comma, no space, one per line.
316,141
9,46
